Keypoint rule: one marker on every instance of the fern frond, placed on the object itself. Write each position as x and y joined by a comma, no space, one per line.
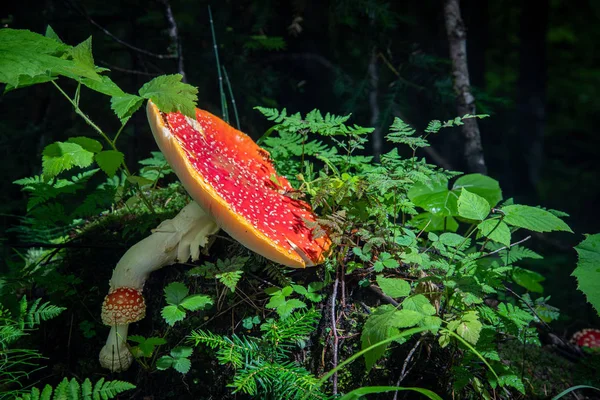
72,390
38,312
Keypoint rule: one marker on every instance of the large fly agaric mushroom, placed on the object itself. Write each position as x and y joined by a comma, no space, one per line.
236,188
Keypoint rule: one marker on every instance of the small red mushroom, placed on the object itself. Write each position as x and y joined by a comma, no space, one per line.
235,187
589,338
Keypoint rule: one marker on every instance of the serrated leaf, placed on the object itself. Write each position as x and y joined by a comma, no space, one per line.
472,206
393,287
588,269
175,292
285,310
172,314
379,326
181,352
452,239
124,105
136,338
110,161
469,327
86,143
82,55
435,198
533,218
196,302
58,157
171,95
419,303
50,33
482,185
182,365
103,85
495,230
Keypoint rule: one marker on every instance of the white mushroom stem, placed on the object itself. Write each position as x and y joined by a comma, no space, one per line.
174,240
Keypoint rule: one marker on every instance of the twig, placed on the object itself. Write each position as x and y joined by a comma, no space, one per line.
404,372
174,35
505,247
127,71
120,41
334,332
384,296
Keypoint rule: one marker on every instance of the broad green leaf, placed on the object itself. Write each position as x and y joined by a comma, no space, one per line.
436,199
407,318
472,206
588,269
393,287
530,280
175,292
452,239
469,327
50,33
534,219
418,303
171,95
496,230
379,326
482,185
88,144
110,161
82,55
104,85
285,310
58,157
434,223
196,302
172,314
124,105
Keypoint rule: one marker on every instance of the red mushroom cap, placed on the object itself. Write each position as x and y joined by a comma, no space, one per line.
587,338
234,180
123,306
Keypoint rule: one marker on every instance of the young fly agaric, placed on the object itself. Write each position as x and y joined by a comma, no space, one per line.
236,185
587,338
173,240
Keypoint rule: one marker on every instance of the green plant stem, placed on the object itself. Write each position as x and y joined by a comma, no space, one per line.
351,359
216,50
233,104
468,345
107,139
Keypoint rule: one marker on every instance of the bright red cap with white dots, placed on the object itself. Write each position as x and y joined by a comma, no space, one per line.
234,181
123,306
587,338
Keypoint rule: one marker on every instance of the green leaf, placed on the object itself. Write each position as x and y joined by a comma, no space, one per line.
588,269
181,352
196,302
285,310
124,105
82,55
451,239
393,287
469,327
110,161
534,219
58,157
50,33
88,144
435,198
165,362
472,206
481,185
172,314
361,392
230,279
182,365
419,303
104,85
171,95
379,326
530,280
495,230
175,292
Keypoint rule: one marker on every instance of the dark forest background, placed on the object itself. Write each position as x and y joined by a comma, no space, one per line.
534,67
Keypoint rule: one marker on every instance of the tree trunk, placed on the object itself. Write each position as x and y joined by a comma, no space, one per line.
465,102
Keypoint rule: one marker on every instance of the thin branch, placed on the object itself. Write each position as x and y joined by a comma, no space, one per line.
334,332
384,296
128,71
404,372
117,39
506,247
